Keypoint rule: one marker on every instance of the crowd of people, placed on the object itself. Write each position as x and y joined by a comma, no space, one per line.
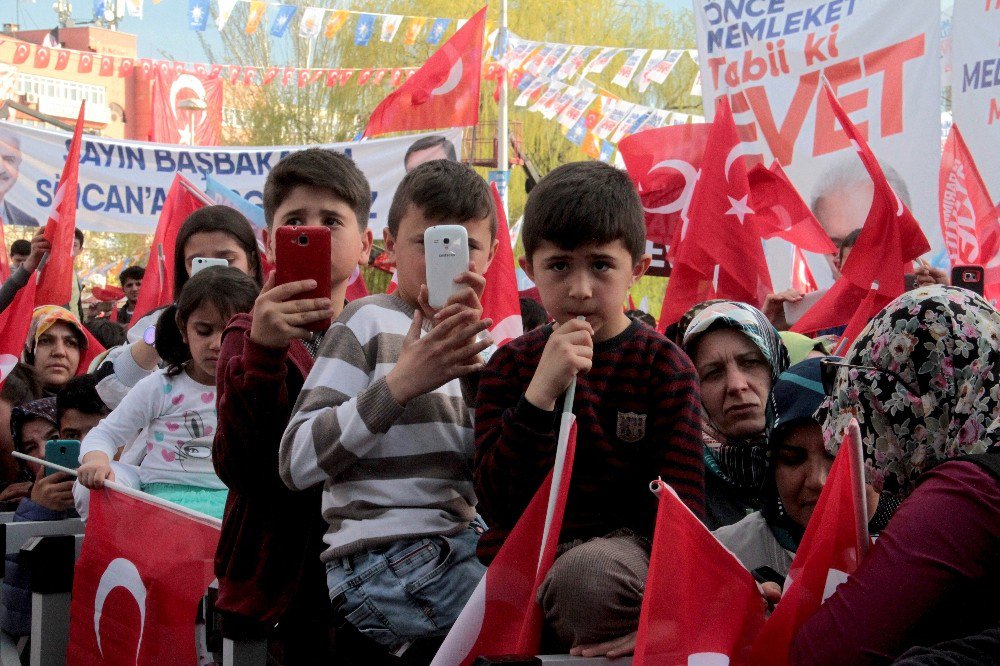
366,475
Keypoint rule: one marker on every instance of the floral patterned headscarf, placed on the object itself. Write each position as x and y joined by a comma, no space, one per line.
945,343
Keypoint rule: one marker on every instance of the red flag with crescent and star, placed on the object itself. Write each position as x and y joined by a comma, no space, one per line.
187,108
444,92
142,570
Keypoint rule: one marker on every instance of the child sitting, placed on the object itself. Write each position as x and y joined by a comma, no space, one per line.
174,408
636,404
384,421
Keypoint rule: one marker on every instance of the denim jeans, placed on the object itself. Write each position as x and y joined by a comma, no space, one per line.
408,589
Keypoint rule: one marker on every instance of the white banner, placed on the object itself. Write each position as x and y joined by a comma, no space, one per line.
880,56
975,85
123,183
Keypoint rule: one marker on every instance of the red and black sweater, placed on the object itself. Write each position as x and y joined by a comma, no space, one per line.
267,560
638,418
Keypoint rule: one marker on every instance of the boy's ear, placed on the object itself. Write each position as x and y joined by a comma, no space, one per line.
390,243
640,268
527,266
489,259
366,247
268,236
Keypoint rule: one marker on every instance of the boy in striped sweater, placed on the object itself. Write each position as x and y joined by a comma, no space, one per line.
384,421
637,406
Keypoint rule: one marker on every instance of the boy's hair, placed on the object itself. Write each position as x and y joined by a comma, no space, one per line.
79,236
642,317
20,246
444,190
108,333
533,314
848,242
584,203
131,273
80,393
228,289
216,218
20,386
323,169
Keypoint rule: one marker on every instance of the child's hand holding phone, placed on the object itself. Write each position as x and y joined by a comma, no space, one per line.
279,316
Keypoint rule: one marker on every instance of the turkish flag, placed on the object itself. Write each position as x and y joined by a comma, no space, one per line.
719,252
158,283
55,285
107,66
444,92
15,322
835,542
780,212
664,164
42,57
888,243
802,278
364,76
503,616
968,219
172,123
269,74
62,59
501,302
85,63
700,606
125,67
146,68
356,287
21,53
142,570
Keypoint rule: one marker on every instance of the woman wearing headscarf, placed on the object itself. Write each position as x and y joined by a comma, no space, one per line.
738,356
56,347
923,380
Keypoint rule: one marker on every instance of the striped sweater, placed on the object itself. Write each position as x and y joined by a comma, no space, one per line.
390,472
638,418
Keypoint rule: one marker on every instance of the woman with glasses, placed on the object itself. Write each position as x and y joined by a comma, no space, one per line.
738,356
923,380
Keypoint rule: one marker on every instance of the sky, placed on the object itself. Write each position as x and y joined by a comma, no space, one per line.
163,31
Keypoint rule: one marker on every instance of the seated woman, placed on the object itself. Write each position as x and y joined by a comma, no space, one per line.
922,380
55,346
798,467
738,356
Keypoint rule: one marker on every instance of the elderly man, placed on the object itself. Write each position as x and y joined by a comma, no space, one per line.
10,169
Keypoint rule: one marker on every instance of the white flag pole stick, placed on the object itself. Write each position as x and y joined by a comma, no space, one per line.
859,489
132,492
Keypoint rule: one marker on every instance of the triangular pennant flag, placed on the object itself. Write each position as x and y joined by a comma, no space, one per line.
254,16
335,23
198,15
282,20
225,11
55,283
700,606
444,92
413,29
500,299
363,30
312,20
438,29
390,25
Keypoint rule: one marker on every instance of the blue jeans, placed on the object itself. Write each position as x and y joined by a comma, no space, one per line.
408,589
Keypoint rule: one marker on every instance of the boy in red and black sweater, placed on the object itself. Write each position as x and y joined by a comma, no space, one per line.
267,561
637,406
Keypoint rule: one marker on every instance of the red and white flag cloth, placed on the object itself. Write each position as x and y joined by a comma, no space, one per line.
503,616
15,322
700,606
968,217
4,257
802,278
835,542
444,92
356,287
56,276
501,301
187,108
136,587
719,253
780,212
157,287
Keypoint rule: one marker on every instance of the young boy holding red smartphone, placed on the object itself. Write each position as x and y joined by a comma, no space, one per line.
384,421
267,559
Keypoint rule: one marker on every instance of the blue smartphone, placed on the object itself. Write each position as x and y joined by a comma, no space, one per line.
64,452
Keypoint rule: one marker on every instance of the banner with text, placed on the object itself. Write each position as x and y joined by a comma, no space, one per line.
975,85
880,56
123,183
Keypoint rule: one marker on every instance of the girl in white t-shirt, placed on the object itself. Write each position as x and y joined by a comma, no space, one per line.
173,410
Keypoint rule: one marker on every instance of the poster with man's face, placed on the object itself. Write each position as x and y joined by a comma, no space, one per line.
10,169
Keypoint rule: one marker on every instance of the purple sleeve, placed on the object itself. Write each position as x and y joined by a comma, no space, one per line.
945,534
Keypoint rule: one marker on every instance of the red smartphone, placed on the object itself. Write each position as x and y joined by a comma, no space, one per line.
303,253
968,277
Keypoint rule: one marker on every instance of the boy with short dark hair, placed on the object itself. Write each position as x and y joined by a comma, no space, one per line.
384,421
79,408
131,281
268,555
637,408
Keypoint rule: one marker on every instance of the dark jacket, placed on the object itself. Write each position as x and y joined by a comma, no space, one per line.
16,589
267,561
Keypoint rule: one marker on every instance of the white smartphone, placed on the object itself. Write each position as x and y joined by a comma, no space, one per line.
201,263
446,255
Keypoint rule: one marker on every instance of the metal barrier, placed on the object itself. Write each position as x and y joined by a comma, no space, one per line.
50,596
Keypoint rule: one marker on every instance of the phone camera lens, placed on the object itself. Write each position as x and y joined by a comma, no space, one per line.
303,240
447,240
